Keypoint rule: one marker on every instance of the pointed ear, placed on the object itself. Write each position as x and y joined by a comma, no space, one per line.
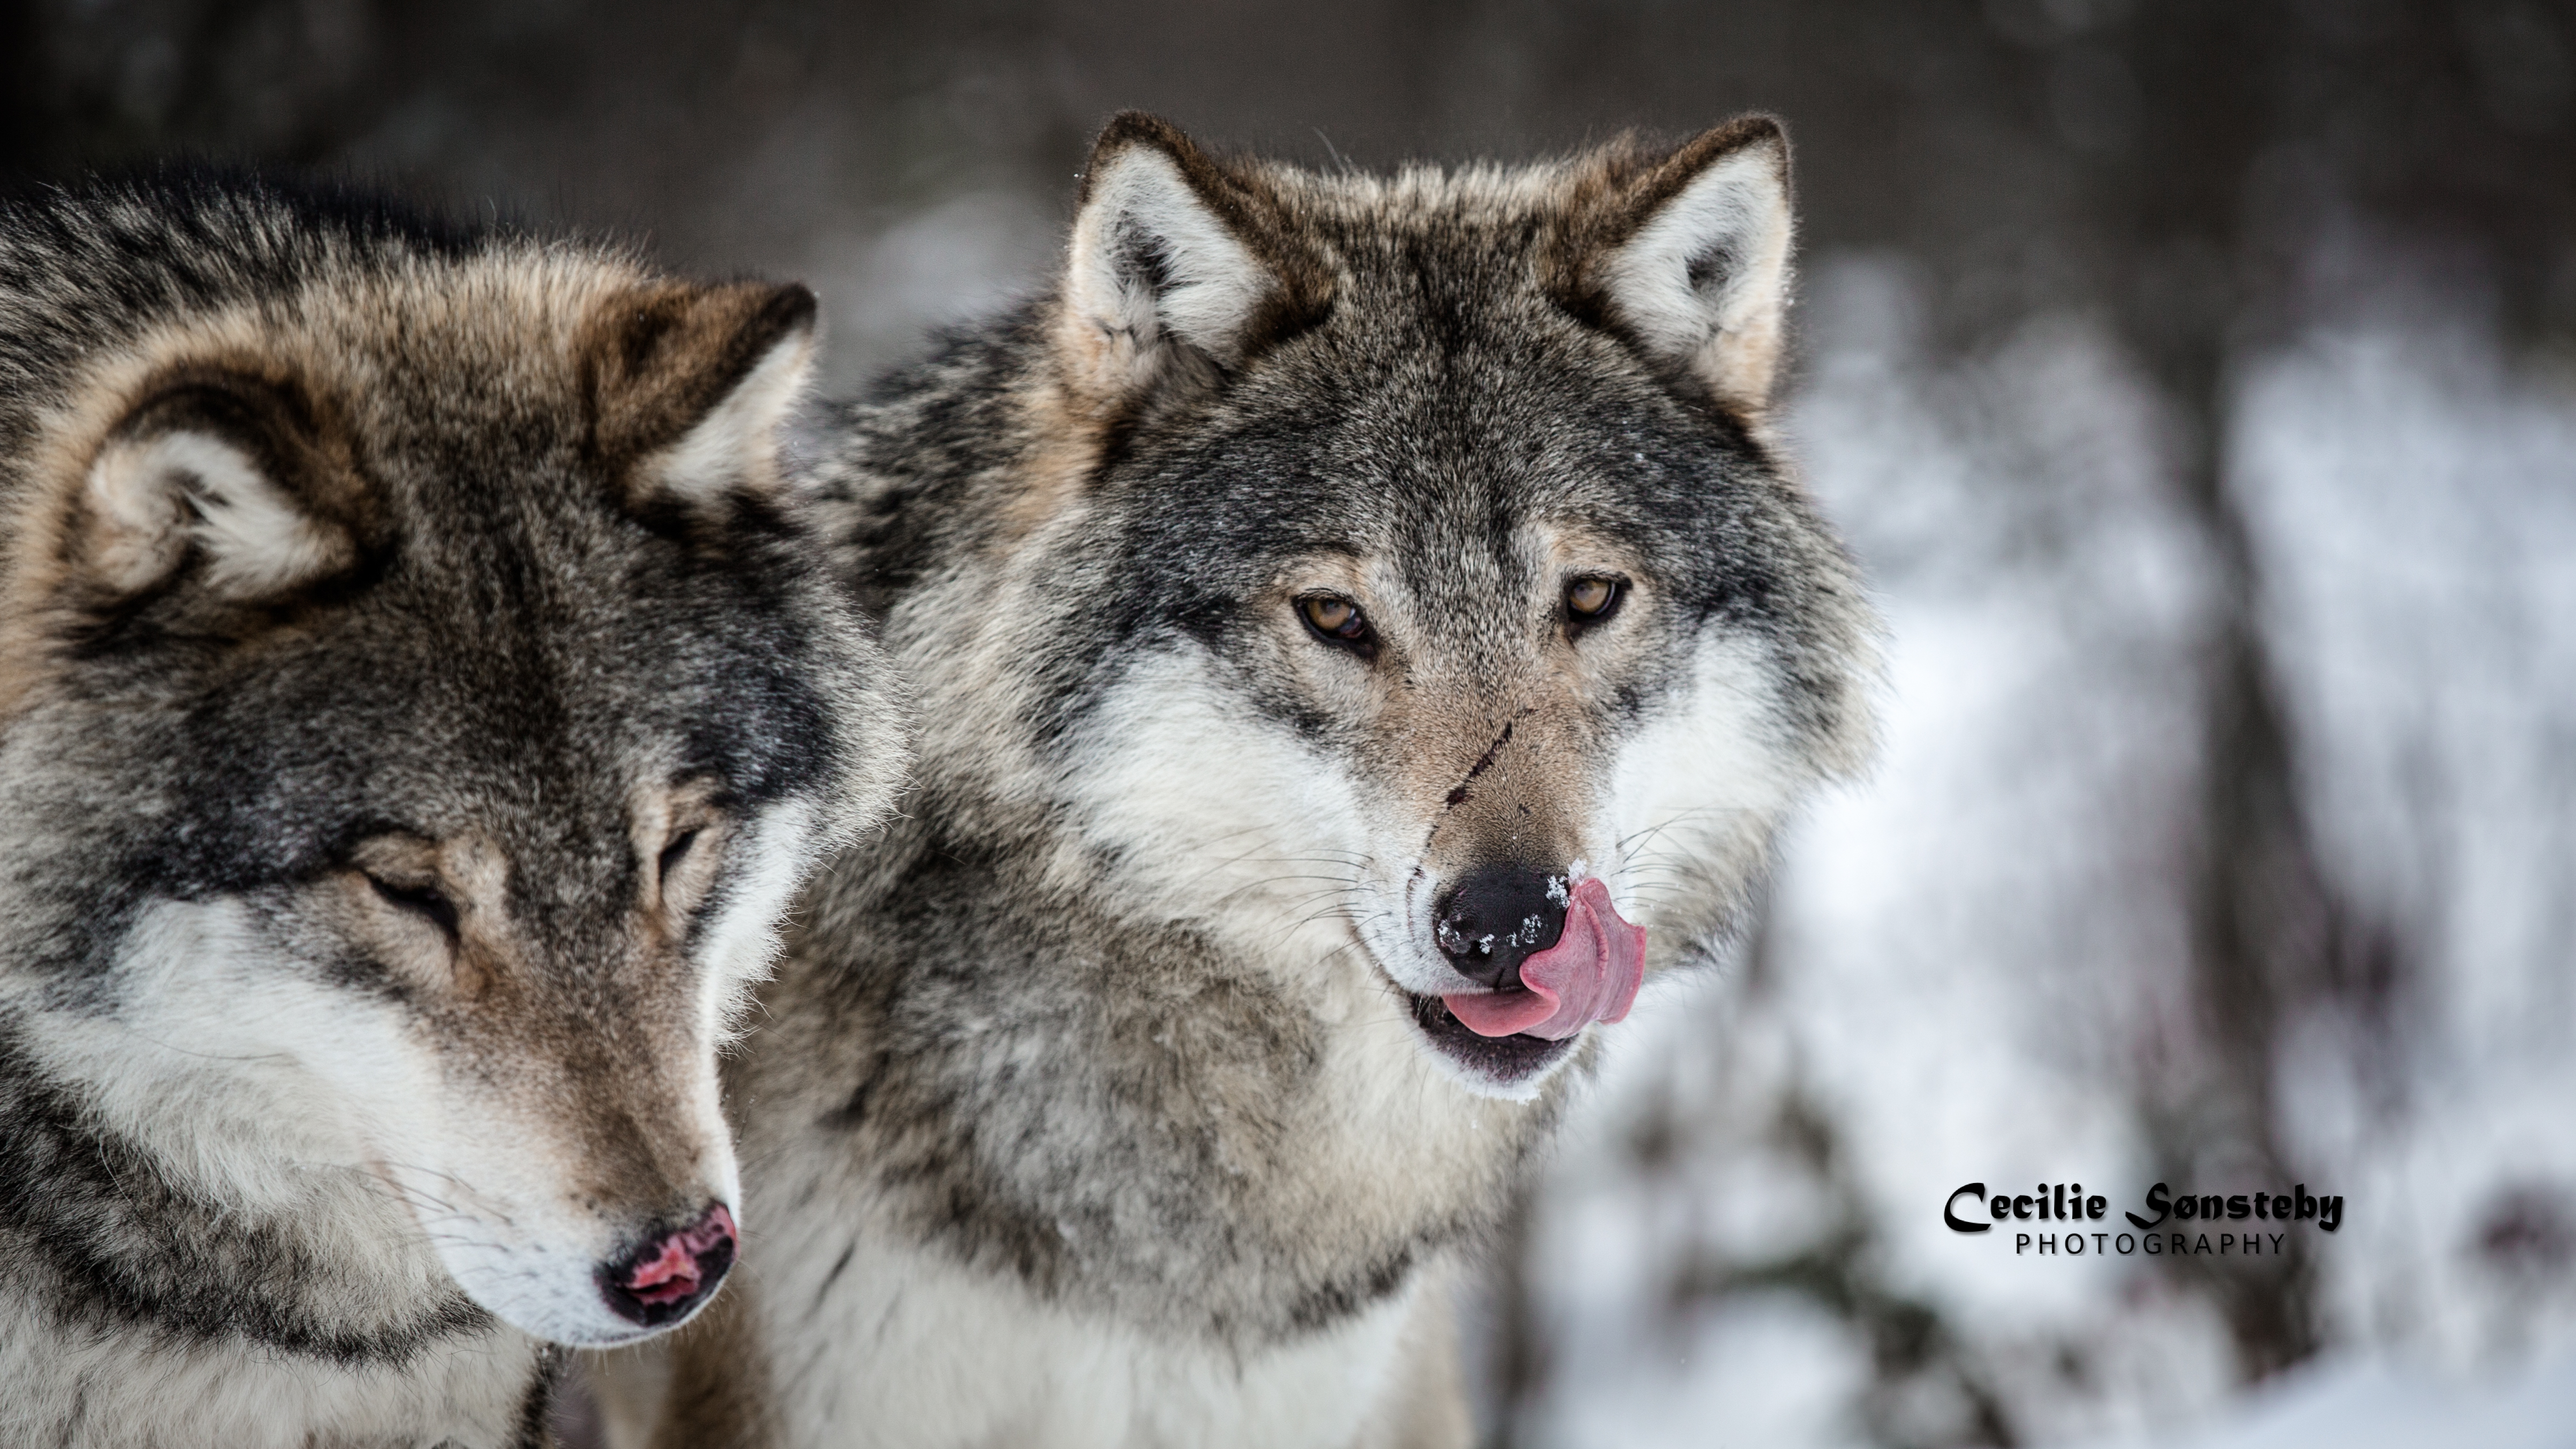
238,470
1180,268
689,384
1693,261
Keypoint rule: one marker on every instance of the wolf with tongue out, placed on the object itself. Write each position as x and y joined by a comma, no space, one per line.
1361,627
1590,974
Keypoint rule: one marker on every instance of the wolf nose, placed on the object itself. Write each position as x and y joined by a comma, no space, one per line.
1496,918
665,1279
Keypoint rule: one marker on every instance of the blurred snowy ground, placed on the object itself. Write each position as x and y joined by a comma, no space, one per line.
2368,1403
2418,503
1967,969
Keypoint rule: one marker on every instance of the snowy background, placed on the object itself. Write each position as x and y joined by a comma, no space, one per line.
2197,381
1968,962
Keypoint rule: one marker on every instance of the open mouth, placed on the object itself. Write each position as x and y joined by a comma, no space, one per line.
1505,1061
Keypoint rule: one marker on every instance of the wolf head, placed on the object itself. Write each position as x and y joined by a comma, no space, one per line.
417,702
1404,586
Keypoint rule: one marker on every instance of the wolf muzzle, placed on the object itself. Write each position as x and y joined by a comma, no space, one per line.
1563,959
1496,918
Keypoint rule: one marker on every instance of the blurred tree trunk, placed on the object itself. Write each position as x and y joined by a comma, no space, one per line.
2262,915
2266,128
2187,278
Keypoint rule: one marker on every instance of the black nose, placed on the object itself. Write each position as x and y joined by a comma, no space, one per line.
664,1278
1497,917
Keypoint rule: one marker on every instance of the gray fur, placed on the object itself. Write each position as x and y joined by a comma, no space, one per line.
1090,1108
490,625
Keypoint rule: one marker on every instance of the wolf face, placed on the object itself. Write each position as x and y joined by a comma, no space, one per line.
417,703
1437,588
1359,627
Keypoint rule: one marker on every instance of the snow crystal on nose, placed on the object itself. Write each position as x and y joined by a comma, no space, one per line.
1591,974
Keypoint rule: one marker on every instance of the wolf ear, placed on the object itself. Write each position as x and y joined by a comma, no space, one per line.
228,466
1694,265
688,386
1178,266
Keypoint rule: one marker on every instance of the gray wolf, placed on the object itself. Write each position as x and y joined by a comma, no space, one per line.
1360,626
419,694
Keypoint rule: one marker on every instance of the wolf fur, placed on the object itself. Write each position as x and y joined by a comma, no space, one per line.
1113,1101
419,694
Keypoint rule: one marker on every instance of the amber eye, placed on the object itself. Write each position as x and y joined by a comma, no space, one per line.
1589,601
1335,618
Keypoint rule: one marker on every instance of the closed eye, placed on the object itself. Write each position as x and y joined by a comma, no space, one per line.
423,901
677,851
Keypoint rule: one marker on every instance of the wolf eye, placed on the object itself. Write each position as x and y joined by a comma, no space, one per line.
423,901
1591,600
1335,619
677,850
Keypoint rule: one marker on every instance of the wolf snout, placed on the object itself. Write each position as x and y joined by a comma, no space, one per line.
1495,918
664,1279
1591,974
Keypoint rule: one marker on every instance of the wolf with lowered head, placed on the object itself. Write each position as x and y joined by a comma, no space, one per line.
1361,627
419,697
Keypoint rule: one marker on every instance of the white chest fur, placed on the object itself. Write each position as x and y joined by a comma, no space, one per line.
874,1359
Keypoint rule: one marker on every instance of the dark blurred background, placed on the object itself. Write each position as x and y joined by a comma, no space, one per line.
2198,381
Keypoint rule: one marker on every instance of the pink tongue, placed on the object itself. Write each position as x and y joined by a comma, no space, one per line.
1590,974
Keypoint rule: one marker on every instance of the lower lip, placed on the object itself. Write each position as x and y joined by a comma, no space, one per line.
1506,1061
